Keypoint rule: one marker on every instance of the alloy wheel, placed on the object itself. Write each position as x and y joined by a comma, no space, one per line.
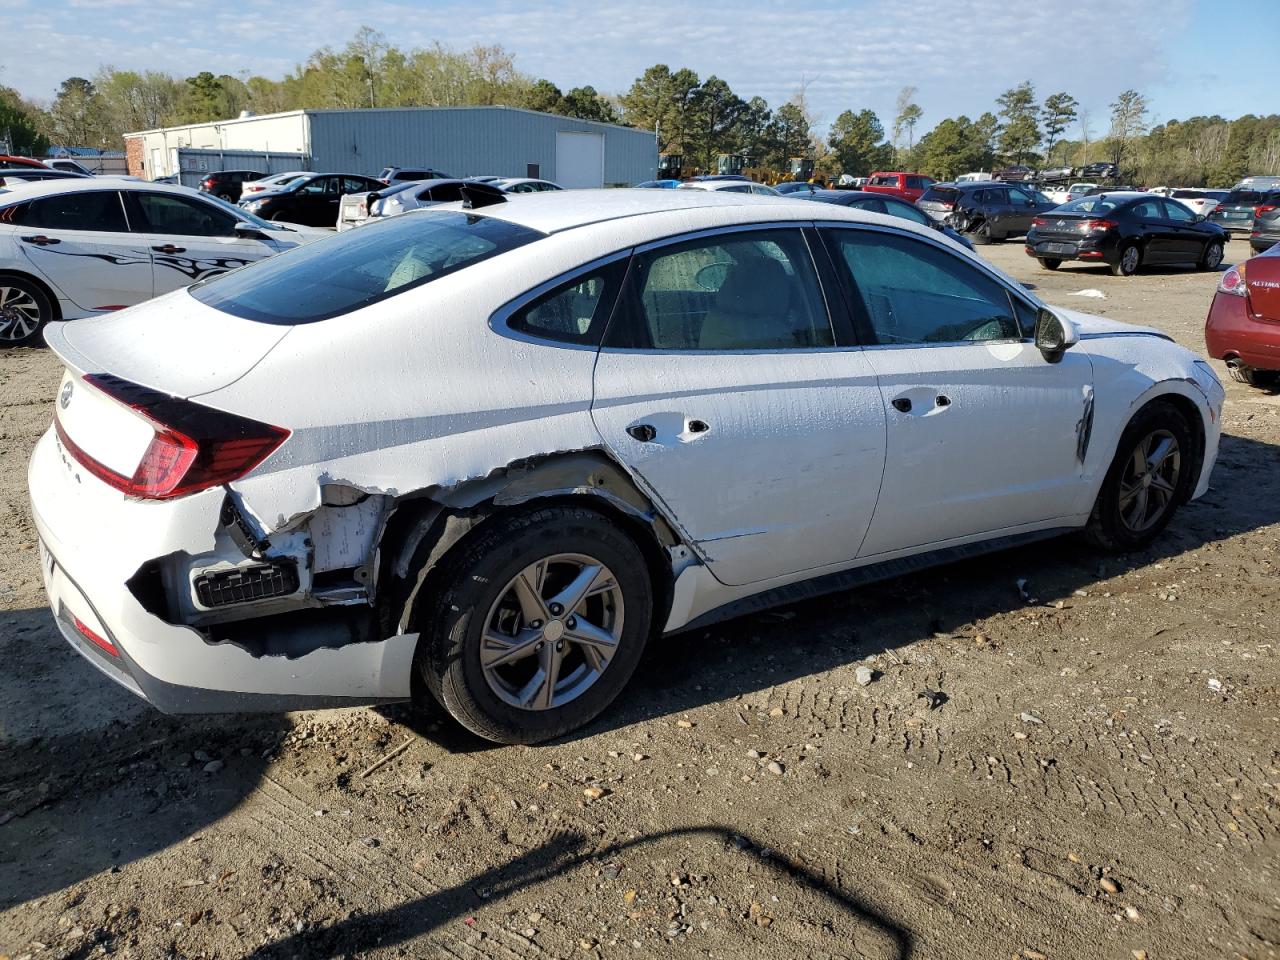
19,314
1129,261
1150,481
1213,257
552,632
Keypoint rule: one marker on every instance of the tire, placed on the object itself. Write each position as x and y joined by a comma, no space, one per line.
981,234
1211,259
1049,263
25,308
477,606
1262,379
225,196
1120,520
1128,261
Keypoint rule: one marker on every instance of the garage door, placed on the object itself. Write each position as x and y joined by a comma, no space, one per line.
580,159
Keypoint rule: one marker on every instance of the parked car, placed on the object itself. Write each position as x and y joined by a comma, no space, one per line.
20,176
226,184
658,184
890,206
1078,190
1266,230
1243,326
731,186
1100,171
520,475
1199,202
68,165
358,208
985,211
390,175
1126,231
904,186
311,200
73,246
795,188
1240,208
273,182
1057,173
525,185
974,177
1058,194
9,160
1015,173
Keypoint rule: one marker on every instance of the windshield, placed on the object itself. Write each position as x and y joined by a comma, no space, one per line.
354,269
1089,205
944,194
1243,196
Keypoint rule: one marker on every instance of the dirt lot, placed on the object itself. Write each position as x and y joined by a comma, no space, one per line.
1103,779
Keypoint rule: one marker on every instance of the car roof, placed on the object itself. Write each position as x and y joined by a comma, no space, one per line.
44,188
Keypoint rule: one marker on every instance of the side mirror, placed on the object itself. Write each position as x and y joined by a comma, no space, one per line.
1200,218
1054,335
249,231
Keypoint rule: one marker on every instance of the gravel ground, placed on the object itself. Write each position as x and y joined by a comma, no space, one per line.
1101,781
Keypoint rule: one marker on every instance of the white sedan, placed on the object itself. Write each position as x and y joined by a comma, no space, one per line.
484,453
731,186
77,247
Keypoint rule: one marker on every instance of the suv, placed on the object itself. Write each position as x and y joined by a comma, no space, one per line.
390,175
985,211
906,186
225,184
1239,208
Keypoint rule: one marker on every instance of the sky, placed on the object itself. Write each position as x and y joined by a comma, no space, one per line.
1190,57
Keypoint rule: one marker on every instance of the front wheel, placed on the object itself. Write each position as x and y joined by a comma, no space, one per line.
1211,259
24,310
537,625
1049,263
1150,476
1128,262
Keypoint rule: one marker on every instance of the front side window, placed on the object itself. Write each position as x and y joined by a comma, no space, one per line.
1178,213
912,292
754,290
180,216
356,268
318,187
97,210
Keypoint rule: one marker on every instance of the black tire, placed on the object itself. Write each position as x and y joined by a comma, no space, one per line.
477,574
1128,260
1262,379
1049,263
226,196
1107,527
16,329
1211,258
980,234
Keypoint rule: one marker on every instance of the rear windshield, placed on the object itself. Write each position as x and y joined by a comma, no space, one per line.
943,194
1187,194
1090,205
356,268
1243,196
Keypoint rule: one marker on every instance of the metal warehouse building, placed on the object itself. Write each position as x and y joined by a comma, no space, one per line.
462,141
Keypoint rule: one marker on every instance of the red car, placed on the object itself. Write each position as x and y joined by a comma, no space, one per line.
1243,327
10,161
906,186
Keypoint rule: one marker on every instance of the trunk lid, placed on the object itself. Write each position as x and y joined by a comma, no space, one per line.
1262,278
173,344
1064,226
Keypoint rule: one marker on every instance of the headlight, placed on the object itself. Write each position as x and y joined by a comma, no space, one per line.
1207,372
253,206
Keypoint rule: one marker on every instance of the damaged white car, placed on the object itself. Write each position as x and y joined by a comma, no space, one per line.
484,454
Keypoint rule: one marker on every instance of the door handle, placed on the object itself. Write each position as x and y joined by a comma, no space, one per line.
644,432
698,426
41,240
902,404
169,248
942,400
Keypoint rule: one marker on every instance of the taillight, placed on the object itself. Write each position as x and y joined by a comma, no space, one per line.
1219,208
1039,222
193,447
1232,282
1264,208
1098,226
207,183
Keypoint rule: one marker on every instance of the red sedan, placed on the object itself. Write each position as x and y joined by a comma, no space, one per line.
1243,327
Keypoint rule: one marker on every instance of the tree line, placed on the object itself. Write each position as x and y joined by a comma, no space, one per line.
698,119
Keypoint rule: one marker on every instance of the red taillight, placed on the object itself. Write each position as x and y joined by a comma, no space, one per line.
1219,207
100,642
1264,208
1039,222
207,182
210,448
1098,226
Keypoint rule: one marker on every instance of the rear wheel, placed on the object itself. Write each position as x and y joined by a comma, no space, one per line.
1149,478
1211,259
537,625
1262,379
24,310
225,196
1127,263
981,233
1049,263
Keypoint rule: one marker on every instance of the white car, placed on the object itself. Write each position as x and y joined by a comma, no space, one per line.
1078,190
1058,195
730,186
72,248
355,209
273,182
1200,202
524,185
484,453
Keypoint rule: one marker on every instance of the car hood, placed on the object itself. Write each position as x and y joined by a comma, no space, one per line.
174,344
301,232
1091,325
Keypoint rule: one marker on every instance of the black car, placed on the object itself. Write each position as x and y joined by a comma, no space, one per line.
1240,208
1125,231
13,176
1099,171
311,200
879,203
1266,230
227,183
984,210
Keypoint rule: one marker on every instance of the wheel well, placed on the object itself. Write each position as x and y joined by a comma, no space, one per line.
48,291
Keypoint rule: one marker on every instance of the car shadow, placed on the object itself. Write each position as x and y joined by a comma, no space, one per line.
98,763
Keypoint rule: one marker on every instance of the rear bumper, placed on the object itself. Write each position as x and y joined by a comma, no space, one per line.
1086,249
1232,332
93,540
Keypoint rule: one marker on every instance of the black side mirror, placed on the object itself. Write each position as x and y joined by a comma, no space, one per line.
1054,335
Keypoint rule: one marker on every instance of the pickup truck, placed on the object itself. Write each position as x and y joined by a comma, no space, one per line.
906,186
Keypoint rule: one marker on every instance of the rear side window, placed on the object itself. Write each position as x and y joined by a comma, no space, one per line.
575,311
941,194
357,268
914,293
92,210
